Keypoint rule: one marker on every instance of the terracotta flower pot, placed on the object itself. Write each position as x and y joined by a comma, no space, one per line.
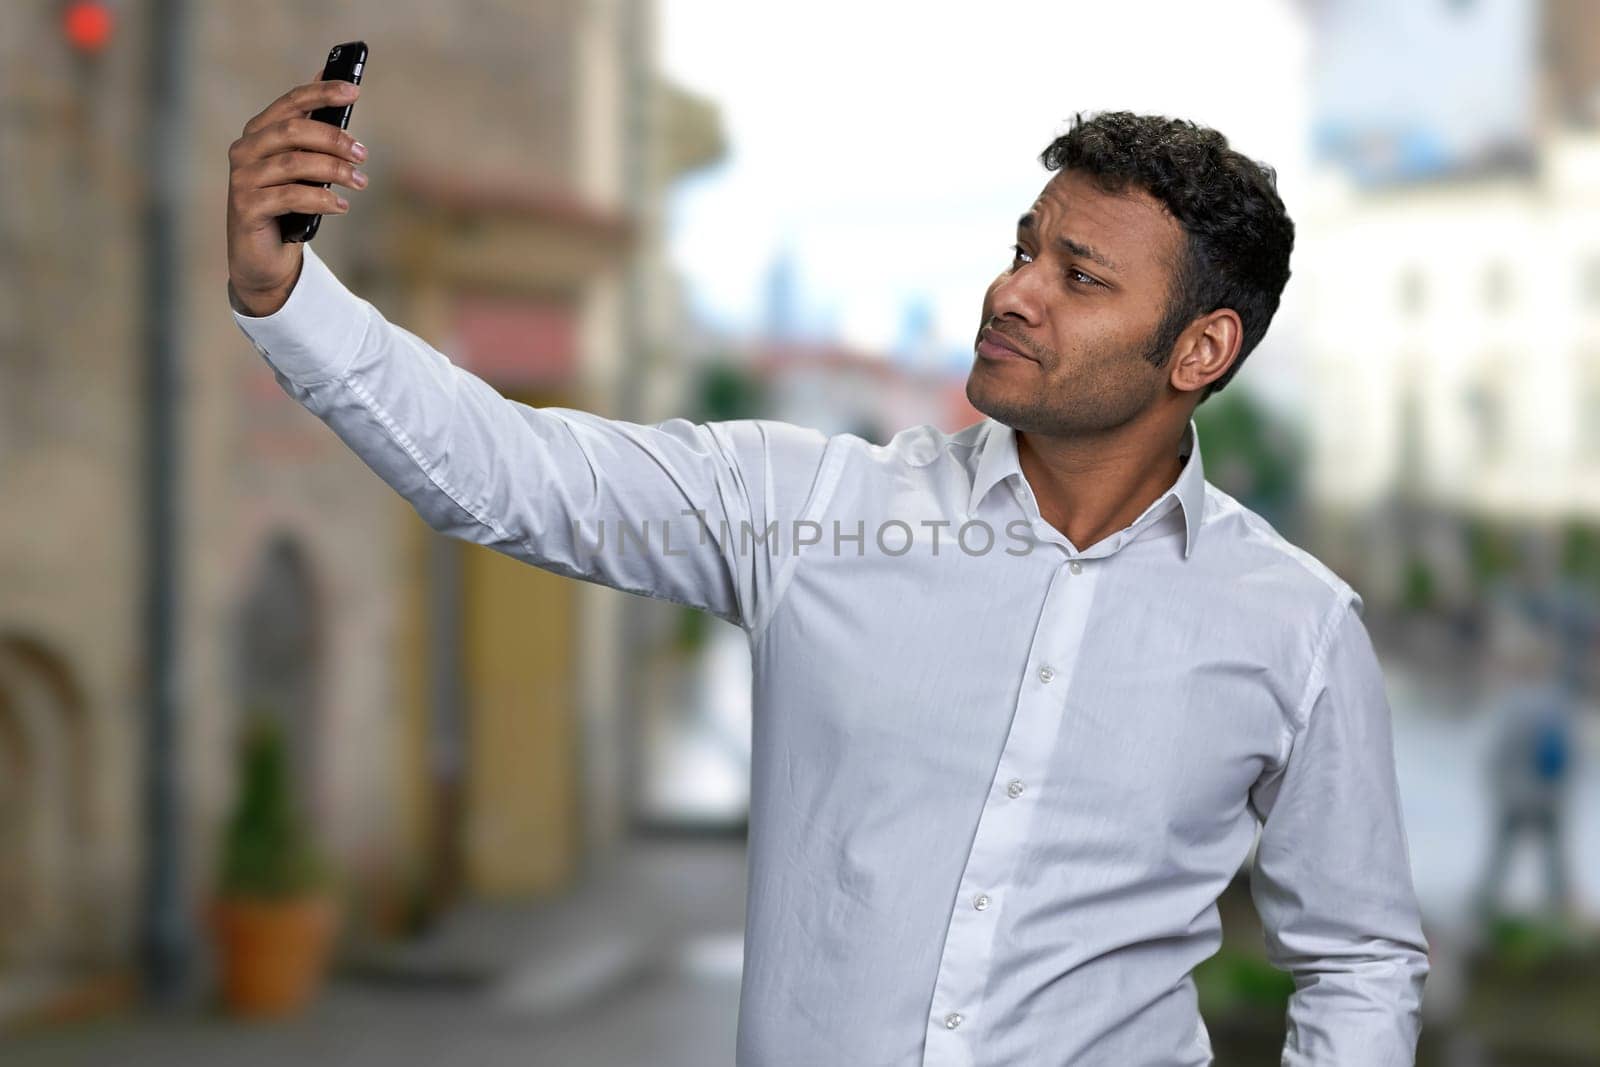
272,954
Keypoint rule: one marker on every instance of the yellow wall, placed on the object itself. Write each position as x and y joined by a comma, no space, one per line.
523,787
518,814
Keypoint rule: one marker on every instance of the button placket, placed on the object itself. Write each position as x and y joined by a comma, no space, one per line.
1002,832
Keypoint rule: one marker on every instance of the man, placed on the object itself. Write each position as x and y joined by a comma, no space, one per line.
1023,693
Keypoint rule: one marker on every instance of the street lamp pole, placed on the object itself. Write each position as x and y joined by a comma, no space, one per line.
164,934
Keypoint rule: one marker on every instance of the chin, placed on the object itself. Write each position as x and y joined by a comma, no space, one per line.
983,397
1015,407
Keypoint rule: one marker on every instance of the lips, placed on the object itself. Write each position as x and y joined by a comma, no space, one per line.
995,346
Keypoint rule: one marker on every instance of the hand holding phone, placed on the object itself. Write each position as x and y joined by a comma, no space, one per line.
345,63
283,164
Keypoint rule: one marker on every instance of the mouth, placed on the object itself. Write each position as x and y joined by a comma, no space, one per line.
992,345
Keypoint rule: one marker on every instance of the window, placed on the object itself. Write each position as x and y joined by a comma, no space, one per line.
277,648
1588,400
1497,286
1486,411
1412,291
1589,282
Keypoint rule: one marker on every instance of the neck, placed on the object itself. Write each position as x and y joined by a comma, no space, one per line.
1091,487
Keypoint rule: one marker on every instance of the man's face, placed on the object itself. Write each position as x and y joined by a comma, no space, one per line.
1081,301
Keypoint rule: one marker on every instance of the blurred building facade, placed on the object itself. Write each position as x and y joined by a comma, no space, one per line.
1453,322
838,389
458,719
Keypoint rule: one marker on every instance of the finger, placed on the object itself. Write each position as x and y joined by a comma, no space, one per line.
303,99
283,167
282,199
265,115
297,133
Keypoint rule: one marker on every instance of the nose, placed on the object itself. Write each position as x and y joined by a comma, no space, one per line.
1015,295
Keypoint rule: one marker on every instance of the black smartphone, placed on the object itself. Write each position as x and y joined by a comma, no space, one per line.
345,63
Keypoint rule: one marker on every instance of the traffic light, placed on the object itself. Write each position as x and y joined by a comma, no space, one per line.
88,25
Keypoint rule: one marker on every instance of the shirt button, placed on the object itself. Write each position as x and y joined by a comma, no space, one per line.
980,902
1046,673
952,1020
1014,788
1077,568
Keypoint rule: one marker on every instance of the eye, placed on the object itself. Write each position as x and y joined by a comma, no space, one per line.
1073,274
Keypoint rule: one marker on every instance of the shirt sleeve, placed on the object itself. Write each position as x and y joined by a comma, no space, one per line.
1331,878
696,513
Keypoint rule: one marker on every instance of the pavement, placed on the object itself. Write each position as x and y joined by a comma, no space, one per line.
638,967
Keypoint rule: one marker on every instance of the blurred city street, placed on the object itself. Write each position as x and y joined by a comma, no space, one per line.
458,808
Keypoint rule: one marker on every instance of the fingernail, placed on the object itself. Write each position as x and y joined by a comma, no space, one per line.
358,150
359,179
342,202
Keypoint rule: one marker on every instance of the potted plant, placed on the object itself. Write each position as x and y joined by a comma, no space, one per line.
273,917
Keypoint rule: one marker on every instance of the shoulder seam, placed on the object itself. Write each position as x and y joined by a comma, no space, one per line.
1291,551
1314,676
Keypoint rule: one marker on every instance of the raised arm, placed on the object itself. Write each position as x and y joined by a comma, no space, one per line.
677,510
1332,873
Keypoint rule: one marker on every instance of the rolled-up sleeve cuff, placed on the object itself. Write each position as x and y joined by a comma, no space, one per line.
313,337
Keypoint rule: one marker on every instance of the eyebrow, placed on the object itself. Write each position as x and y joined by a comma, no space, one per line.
1077,248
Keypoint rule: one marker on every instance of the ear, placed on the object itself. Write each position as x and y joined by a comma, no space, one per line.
1206,349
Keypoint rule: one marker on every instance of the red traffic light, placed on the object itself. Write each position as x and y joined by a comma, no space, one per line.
87,25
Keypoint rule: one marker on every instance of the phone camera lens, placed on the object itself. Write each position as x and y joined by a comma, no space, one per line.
335,54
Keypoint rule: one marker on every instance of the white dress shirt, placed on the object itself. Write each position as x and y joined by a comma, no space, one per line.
995,792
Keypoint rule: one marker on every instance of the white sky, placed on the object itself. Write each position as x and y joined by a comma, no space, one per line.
1463,74
892,145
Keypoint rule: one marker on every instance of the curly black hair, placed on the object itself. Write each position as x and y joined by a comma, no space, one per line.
1238,234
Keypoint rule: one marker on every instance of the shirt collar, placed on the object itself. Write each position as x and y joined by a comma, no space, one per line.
997,460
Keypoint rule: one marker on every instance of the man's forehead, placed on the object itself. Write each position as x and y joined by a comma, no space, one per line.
1074,204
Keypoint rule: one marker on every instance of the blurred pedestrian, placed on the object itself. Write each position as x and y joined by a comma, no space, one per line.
1530,765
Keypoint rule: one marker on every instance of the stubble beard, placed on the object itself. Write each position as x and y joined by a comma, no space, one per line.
1059,409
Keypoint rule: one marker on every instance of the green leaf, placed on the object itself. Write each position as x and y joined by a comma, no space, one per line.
267,848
